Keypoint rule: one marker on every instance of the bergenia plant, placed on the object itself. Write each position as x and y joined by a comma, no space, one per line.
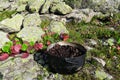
17,47
20,48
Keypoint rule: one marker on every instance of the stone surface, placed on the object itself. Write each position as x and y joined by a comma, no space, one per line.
100,74
13,24
102,5
100,60
32,20
83,14
3,38
4,4
45,8
23,1
35,5
74,3
111,41
60,8
22,8
53,17
31,34
19,69
58,27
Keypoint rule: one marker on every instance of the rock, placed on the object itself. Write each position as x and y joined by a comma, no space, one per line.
35,5
111,41
32,20
57,1
3,38
31,34
100,60
22,8
93,42
45,8
23,1
74,3
53,17
13,24
88,48
13,6
10,0
47,4
83,15
57,27
100,74
19,69
60,8
4,4
19,5
101,5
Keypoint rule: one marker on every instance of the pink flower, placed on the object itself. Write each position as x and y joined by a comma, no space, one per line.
16,48
64,36
38,46
118,48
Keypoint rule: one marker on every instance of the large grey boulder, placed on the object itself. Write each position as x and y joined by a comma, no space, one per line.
13,24
35,5
45,8
32,20
83,15
22,1
57,27
4,4
21,8
31,34
3,38
102,5
74,3
19,5
60,8
19,69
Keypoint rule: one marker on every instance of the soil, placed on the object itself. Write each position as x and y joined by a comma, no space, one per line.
64,51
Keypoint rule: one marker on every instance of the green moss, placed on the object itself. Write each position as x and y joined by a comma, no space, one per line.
45,23
81,31
6,14
116,17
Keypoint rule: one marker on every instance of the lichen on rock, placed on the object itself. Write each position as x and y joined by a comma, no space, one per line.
31,34
35,5
60,8
3,38
13,24
32,20
57,27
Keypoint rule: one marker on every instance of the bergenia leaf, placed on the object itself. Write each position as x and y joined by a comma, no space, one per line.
38,46
16,48
9,43
6,48
18,40
56,35
32,43
24,47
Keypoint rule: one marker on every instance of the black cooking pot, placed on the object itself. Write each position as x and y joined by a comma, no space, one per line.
66,65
